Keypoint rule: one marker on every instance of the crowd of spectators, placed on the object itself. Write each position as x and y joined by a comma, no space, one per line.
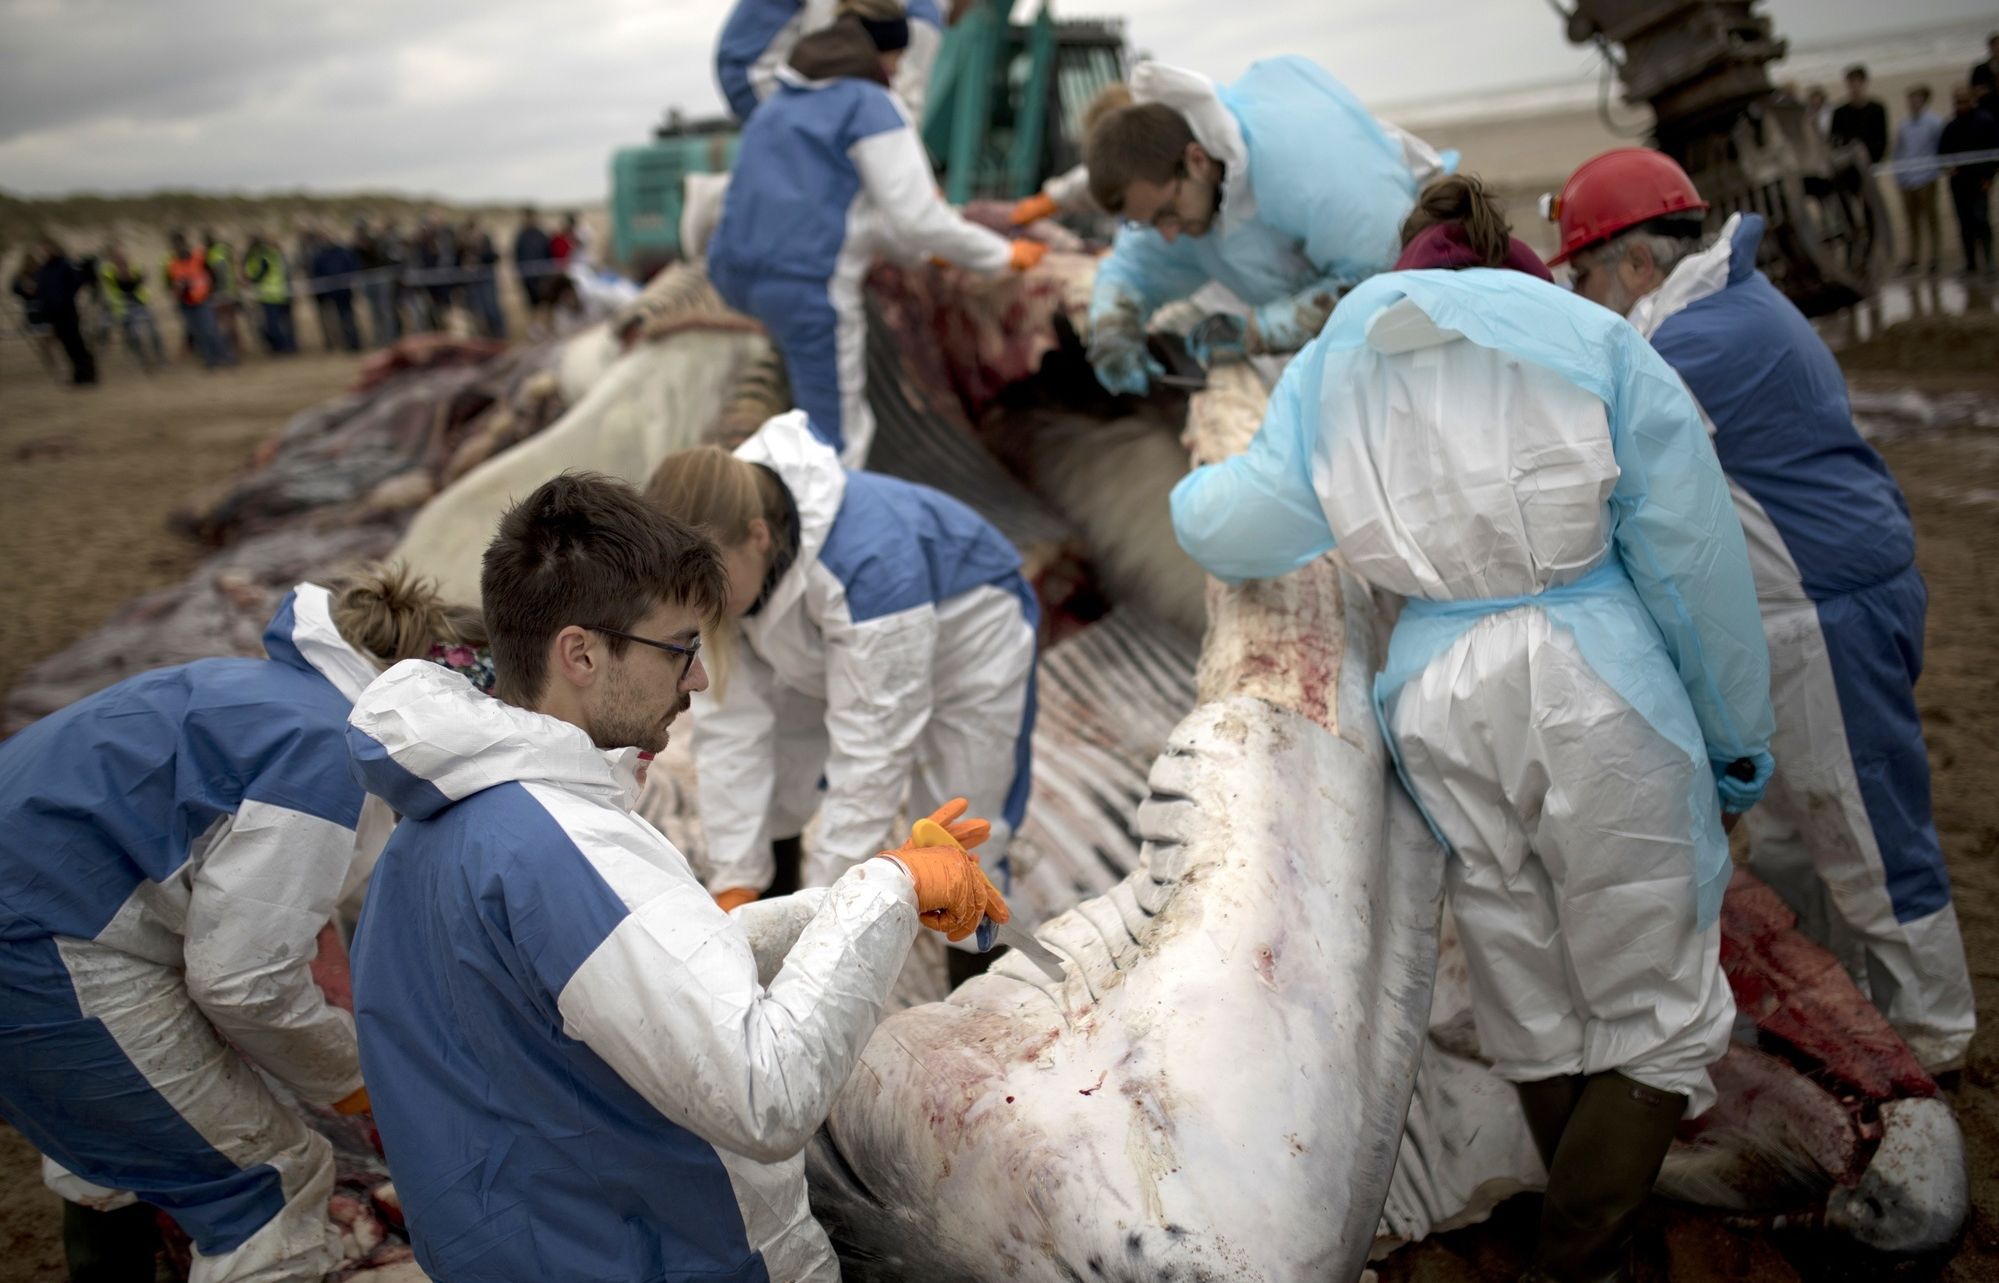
368,288
1925,155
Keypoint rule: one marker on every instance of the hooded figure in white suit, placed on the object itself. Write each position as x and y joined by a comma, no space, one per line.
1576,689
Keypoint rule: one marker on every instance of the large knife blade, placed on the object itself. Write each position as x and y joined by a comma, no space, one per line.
1017,939
929,833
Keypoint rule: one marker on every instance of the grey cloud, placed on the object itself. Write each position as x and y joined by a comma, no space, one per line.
523,98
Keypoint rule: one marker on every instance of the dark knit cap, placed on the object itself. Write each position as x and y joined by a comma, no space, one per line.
889,34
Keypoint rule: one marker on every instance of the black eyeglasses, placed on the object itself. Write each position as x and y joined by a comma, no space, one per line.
1167,217
671,648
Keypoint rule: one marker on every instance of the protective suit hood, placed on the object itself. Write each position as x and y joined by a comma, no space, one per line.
812,472
302,636
1729,261
1215,127
1485,305
423,737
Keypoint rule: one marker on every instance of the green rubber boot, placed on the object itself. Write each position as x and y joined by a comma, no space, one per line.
788,857
1605,1164
1548,1104
110,1247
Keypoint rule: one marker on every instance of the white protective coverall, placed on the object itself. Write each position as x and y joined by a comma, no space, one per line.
1578,645
170,848
895,656
581,1067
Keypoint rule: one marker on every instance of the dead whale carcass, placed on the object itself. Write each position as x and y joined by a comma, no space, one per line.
1216,1089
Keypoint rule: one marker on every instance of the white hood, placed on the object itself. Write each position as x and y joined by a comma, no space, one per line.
1193,95
812,472
311,631
1693,278
424,737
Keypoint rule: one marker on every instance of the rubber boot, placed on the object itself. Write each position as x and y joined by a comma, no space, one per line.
788,854
110,1247
1548,1104
1608,1157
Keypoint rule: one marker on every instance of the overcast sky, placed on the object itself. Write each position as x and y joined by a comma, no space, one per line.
498,99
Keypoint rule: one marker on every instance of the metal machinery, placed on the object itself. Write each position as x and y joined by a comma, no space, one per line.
1701,65
1006,100
648,183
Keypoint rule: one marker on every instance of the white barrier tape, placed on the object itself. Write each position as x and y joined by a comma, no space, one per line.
1957,159
408,277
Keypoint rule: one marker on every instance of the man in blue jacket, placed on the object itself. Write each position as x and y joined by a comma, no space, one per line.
1280,187
1845,832
584,1069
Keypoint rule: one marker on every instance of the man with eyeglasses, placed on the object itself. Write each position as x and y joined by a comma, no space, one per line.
1280,187
581,1067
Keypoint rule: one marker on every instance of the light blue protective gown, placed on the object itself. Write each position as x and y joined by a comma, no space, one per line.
1313,200
1680,575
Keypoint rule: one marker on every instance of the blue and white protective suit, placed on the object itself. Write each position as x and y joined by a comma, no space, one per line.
760,34
170,849
581,1067
830,176
1312,200
896,655
1578,657
1845,833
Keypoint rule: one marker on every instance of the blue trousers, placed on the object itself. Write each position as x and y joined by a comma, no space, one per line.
824,355
109,1068
279,335
199,321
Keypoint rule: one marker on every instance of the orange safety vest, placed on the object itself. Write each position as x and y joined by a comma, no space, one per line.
190,279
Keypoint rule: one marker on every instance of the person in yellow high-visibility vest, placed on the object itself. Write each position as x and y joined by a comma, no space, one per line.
123,288
265,269
221,261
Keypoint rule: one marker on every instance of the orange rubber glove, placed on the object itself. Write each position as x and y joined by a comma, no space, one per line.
356,1102
931,832
1026,254
953,894
1033,209
965,833
735,897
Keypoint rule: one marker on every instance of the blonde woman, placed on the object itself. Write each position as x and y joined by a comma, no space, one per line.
884,645
169,849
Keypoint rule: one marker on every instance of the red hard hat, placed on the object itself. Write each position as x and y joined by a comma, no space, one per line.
1616,191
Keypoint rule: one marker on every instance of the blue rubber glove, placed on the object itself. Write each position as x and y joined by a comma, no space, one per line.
1117,352
1220,336
1290,323
1126,371
1741,781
